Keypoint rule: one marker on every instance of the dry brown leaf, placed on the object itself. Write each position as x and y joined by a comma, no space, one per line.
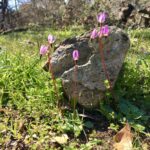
145,146
21,126
3,110
123,139
61,139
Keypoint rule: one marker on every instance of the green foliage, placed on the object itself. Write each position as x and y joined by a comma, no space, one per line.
27,95
28,98
133,82
132,87
127,112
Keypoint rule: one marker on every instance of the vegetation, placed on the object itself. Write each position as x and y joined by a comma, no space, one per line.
29,118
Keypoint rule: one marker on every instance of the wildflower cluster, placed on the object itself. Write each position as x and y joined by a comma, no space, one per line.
47,49
103,31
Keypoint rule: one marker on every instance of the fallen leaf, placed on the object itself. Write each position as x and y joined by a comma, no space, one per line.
61,139
2,110
21,126
123,139
145,146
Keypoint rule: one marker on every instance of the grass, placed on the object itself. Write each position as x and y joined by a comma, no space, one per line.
29,118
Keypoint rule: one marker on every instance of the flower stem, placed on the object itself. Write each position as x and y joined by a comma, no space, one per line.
103,62
75,88
106,72
52,74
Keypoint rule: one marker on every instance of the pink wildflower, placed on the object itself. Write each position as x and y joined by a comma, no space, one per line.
43,50
94,34
51,39
101,17
75,55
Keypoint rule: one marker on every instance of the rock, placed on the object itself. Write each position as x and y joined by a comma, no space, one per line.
90,88
135,13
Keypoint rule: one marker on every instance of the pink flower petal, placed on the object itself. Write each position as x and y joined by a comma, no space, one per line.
43,50
51,39
94,34
104,31
75,55
101,17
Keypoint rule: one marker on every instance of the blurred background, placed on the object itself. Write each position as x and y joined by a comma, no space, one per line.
62,13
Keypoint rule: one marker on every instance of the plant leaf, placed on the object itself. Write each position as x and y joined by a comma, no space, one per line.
89,124
123,139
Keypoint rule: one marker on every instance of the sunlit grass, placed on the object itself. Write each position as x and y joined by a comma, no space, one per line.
27,90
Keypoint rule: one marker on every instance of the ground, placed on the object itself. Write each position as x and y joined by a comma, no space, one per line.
30,117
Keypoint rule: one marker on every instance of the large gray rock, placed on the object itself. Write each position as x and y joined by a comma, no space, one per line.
90,77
